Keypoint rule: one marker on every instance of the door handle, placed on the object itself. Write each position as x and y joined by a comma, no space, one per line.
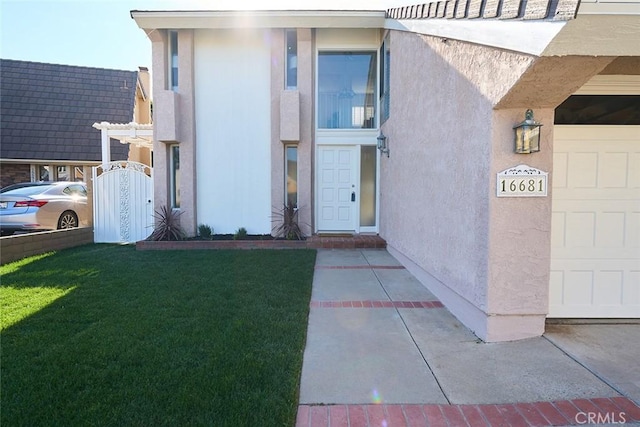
353,196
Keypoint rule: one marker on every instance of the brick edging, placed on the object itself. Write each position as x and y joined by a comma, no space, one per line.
360,267
604,410
376,304
147,245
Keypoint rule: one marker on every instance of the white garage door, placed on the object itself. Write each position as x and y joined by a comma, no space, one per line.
595,232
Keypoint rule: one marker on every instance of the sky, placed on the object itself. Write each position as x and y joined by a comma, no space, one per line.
101,33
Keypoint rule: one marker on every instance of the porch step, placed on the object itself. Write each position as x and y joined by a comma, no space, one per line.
359,241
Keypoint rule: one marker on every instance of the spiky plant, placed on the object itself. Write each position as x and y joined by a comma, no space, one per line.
289,228
167,225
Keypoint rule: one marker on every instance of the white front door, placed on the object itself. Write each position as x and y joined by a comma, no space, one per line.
338,193
595,232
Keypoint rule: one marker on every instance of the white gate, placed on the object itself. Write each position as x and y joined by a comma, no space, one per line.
122,202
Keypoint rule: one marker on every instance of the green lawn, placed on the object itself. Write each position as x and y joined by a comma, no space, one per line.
105,335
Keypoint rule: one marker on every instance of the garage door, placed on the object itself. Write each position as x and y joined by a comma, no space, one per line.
595,232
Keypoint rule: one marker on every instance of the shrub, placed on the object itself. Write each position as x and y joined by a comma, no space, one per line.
167,225
241,234
204,231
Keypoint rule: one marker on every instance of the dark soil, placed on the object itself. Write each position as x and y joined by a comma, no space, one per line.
231,237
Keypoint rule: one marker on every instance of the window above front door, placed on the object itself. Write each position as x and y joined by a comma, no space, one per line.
347,89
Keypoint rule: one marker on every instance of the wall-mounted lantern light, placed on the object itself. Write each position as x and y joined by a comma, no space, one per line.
382,144
527,135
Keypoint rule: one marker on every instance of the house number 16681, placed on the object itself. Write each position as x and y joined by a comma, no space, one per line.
521,181
522,185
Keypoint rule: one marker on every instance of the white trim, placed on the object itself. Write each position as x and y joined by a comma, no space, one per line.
531,37
140,135
611,85
346,136
355,165
258,19
618,7
349,39
323,134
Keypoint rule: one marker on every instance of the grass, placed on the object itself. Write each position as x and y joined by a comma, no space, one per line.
107,336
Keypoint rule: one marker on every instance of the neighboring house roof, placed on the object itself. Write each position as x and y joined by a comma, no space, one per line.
47,110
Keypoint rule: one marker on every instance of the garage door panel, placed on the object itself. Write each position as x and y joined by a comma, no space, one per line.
604,291
575,226
582,170
611,230
558,225
633,236
580,229
613,170
634,170
595,240
609,287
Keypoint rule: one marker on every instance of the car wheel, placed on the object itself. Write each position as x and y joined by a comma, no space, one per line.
6,232
68,219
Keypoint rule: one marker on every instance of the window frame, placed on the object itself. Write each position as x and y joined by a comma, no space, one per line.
172,53
174,176
384,77
376,108
286,173
290,79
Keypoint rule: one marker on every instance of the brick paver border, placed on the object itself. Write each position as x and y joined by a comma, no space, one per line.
615,410
376,304
359,267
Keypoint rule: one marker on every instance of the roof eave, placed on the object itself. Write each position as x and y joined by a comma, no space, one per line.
150,20
529,37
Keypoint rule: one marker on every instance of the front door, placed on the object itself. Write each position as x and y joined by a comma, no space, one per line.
337,188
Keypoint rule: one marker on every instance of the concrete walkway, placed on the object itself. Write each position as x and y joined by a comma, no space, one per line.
382,351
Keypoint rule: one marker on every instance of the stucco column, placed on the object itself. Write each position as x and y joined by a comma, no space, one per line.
277,147
187,132
519,237
160,159
306,146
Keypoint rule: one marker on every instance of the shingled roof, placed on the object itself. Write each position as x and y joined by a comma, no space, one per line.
557,10
47,110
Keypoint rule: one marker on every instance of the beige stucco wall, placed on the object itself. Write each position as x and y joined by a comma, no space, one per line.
280,121
277,147
160,151
519,237
177,120
453,106
186,132
435,185
306,146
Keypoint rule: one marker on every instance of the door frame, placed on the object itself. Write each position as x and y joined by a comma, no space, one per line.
356,142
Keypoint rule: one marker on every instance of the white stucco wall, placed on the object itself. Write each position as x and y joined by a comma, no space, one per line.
233,128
